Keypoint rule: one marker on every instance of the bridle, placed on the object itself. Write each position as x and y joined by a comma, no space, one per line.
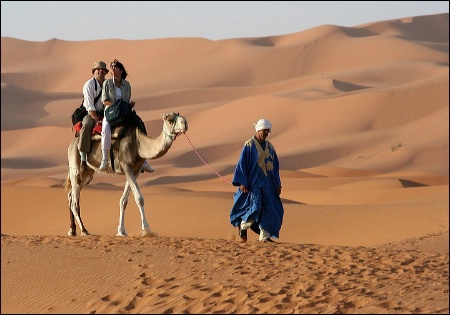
173,135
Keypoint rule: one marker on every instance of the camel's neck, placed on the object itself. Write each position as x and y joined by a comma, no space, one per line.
153,148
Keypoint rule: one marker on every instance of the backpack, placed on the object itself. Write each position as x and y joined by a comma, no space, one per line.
118,112
81,111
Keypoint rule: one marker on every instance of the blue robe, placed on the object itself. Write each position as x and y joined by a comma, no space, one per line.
258,170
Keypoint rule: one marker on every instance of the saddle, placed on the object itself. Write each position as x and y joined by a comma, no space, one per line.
97,131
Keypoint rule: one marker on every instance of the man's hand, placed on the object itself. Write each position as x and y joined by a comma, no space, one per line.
243,189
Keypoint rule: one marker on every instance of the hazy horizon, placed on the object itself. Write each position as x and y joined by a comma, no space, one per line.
214,20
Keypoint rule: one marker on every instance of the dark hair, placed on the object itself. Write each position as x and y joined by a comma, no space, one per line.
116,63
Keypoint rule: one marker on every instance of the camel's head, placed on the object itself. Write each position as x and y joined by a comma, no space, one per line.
174,124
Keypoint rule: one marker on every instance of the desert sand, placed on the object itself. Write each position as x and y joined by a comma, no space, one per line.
361,126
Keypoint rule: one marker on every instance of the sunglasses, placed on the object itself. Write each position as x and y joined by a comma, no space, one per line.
114,64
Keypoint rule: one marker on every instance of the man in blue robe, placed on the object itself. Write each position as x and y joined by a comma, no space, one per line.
257,204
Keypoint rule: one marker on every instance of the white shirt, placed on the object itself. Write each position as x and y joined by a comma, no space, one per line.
90,94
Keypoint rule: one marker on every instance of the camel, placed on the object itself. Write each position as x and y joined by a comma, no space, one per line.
129,153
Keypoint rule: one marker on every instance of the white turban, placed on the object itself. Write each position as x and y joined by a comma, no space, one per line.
263,124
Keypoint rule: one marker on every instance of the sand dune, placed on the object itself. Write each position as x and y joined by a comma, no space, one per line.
360,124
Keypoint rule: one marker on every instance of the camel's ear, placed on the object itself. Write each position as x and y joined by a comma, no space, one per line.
164,116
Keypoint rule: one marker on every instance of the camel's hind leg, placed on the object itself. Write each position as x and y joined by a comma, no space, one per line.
74,205
74,182
73,227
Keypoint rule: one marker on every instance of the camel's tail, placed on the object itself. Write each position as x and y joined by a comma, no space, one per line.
67,184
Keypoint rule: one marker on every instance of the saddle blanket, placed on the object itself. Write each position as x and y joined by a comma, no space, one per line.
97,131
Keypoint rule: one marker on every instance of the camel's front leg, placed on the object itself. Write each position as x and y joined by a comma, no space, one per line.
138,197
123,205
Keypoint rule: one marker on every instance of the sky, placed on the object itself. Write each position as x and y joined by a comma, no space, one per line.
215,20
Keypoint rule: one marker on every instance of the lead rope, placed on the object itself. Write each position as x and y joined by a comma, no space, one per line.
205,162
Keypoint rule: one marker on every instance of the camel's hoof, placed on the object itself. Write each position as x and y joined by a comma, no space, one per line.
72,233
122,234
85,233
148,233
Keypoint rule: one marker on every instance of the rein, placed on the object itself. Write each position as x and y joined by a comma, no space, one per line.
205,162
172,137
